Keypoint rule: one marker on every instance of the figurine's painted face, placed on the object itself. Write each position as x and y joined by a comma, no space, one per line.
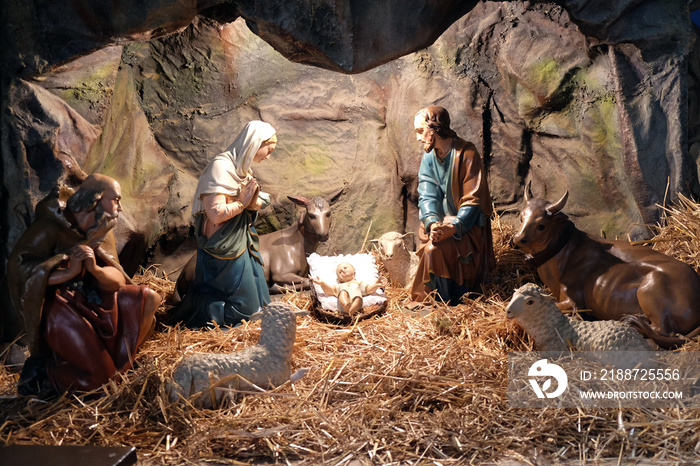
424,134
345,272
111,200
264,152
105,215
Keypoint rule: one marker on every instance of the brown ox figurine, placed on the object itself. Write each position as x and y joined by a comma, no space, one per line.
284,251
656,293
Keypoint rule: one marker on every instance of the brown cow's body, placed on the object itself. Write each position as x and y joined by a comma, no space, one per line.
614,279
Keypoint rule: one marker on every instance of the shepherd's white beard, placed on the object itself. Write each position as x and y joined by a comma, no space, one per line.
103,225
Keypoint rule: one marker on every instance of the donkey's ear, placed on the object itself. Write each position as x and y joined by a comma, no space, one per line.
335,196
299,200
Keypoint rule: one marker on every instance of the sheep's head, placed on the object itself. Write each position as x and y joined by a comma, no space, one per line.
525,300
389,244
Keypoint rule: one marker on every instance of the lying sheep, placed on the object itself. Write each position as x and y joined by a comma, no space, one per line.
551,330
398,260
266,364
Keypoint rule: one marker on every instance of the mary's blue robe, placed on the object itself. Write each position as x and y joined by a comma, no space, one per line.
229,283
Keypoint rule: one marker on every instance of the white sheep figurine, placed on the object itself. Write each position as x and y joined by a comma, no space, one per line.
266,364
539,316
398,260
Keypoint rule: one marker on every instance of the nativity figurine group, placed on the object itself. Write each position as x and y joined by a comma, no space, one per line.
85,320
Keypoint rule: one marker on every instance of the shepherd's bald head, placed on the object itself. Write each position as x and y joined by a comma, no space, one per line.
91,192
96,204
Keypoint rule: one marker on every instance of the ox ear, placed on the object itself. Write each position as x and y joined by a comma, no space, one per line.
557,206
335,196
527,195
301,201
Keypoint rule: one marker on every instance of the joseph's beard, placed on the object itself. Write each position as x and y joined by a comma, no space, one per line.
429,144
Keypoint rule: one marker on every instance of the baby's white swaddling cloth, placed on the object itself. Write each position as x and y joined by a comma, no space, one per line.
324,267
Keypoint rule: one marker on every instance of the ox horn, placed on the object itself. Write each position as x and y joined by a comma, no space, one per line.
556,207
335,196
528,191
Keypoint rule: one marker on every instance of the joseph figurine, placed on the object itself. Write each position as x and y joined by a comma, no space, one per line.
456,251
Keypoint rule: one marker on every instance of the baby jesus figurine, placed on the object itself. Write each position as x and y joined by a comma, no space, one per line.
348,290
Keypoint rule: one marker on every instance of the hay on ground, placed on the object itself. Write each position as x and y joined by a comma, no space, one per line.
389,390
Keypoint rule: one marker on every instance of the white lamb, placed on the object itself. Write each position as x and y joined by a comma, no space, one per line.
398,260
551,330
266,364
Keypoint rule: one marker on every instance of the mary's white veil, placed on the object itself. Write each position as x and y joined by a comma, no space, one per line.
225,173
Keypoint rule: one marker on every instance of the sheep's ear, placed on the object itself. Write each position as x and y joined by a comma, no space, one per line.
407,234
374,241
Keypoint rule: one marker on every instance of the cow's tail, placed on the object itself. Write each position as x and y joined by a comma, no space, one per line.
641,323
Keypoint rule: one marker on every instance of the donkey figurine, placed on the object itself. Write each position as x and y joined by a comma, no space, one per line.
284,251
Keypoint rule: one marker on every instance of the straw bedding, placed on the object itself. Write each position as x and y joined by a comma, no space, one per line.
391,389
